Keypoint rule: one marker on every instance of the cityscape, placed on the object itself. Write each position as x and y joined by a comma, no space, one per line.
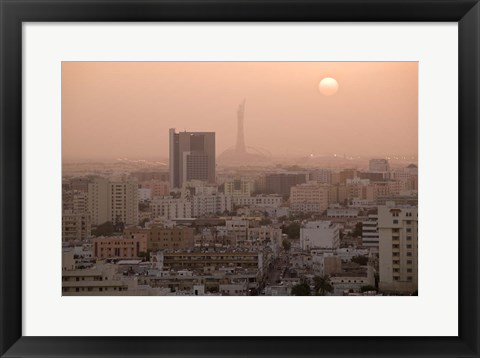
206,213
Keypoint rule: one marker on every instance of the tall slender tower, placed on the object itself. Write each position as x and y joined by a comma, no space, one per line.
240,147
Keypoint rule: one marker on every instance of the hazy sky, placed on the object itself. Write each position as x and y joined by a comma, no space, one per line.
124,109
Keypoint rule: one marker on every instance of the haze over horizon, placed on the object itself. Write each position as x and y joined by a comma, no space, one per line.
124,109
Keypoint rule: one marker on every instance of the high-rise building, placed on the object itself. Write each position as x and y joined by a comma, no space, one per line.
398,248
192,157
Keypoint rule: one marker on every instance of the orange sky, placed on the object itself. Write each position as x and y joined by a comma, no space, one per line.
124,109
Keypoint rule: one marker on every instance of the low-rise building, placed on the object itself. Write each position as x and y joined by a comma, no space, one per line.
319,235
309,198
118,246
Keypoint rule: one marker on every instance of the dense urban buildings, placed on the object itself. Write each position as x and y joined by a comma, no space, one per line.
266,230
308,187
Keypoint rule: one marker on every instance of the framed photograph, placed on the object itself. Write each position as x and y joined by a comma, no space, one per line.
240,178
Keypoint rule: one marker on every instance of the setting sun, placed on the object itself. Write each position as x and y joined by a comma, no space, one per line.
328,86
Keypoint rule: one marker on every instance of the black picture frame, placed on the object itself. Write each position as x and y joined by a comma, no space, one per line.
15,12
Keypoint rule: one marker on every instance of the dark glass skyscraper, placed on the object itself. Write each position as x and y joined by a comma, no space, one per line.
192,157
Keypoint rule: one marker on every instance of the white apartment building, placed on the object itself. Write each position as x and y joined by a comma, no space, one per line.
342,212
144,194
203,205
239,187
113,201
259,200
319,235
198,187
370,232
309,198
398,248
170,208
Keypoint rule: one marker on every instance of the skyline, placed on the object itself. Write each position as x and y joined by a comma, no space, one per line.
106,105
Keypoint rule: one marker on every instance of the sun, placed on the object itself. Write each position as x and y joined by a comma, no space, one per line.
328,86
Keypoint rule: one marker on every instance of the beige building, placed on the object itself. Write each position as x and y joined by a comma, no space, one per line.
398,248
265,234
103,280
170,208
309,198
113,201
239,187
119,246
271,200
157,187
76,226
160,237
192,260
237,230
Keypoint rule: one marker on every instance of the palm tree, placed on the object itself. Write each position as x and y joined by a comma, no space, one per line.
322,285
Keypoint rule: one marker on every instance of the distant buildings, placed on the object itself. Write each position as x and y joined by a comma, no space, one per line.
398,248
192,157
282,182
204,205
157,187
321,176
378,165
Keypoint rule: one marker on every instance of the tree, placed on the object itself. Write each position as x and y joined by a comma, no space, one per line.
265,221
287,245
292,230
361,260
143,206
302,289
104,229
358,230
322,285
